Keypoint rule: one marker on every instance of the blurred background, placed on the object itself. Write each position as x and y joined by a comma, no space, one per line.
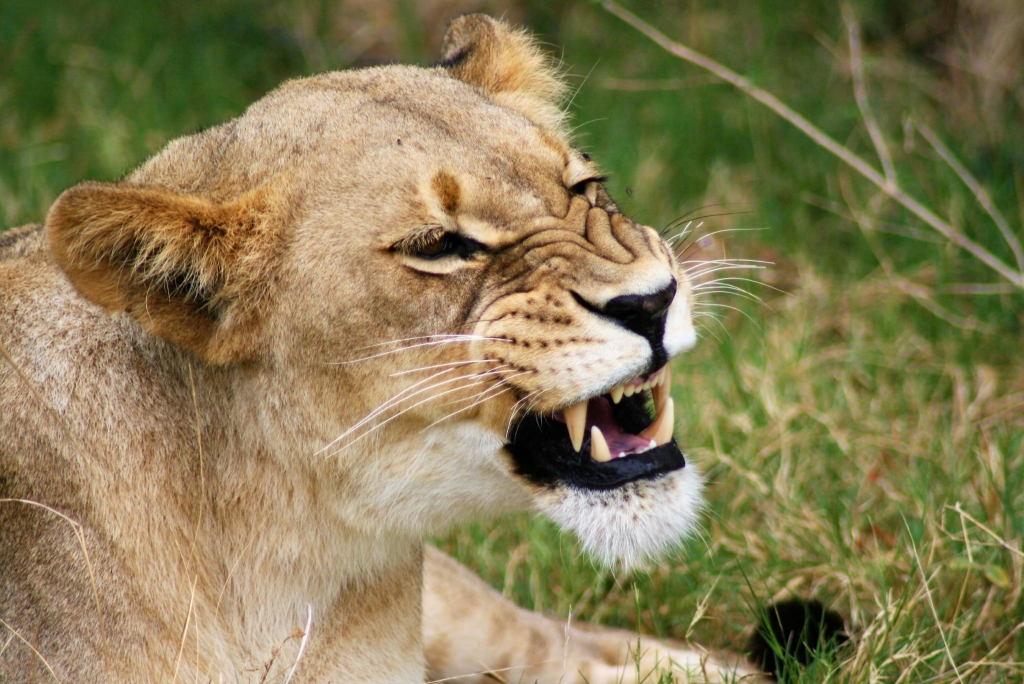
857,401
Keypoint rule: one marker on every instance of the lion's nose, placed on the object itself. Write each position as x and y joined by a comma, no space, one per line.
643,314
640,312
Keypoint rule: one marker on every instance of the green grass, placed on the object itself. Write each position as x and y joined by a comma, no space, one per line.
859,448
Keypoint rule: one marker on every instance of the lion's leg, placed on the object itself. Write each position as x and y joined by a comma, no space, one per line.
471,632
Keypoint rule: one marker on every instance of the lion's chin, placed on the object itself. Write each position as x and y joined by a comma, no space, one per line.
631,524
625,488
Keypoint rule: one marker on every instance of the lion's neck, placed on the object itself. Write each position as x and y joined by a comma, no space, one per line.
260,536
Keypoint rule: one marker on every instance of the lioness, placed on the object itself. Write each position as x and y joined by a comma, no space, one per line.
241,385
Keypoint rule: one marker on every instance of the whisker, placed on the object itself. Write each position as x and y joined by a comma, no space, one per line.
442,365
515,409
724,267
686,230
436,336
730,230
720,288
742,279
452,339
689,215
501,380
709,332
402,396
481,397
726,306
737,292
529,409
722,230
410,408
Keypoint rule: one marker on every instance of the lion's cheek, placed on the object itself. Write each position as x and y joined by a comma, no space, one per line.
449,474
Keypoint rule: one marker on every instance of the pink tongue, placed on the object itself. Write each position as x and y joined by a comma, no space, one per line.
599,413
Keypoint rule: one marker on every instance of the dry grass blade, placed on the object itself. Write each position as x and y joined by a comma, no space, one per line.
32,648
976,188
860,92
944,228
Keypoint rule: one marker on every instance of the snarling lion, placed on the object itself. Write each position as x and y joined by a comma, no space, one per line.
240,386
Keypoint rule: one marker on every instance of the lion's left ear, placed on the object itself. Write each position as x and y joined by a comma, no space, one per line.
188,269
507,65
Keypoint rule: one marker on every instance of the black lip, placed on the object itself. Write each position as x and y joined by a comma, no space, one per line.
543,454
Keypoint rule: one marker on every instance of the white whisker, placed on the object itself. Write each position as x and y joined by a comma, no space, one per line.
450,339
481,397
515,408
410,408
438,336
695,277
402,396
442,365
724,230
681,234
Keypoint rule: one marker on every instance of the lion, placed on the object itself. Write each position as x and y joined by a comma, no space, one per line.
242,385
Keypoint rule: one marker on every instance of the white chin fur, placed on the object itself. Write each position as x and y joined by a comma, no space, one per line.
633,523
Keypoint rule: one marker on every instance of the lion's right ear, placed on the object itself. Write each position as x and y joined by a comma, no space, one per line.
188,269
507,65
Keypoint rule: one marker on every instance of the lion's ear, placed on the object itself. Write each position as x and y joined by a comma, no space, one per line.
188,269
507,65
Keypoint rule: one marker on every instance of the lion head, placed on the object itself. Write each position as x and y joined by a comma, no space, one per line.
409,284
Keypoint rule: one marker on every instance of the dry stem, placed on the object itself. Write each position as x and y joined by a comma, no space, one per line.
889,187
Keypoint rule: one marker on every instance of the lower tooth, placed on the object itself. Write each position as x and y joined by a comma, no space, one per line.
660,431
662,391
598,446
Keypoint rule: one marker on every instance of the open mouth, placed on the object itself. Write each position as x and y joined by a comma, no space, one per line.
602,442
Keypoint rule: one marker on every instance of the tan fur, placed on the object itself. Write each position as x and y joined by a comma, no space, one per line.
234,397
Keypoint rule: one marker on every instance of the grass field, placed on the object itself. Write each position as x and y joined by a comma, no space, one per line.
861,428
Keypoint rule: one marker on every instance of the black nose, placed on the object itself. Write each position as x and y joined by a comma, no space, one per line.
640,312
643,314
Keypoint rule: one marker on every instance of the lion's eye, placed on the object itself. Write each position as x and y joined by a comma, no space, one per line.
442,244
435,247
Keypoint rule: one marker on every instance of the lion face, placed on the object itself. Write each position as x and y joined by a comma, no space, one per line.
423,290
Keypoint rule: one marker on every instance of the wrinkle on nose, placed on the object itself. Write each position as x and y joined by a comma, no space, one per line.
599,233
576,217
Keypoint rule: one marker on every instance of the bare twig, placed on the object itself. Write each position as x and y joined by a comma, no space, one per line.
860,92
975,187
944,228
919,293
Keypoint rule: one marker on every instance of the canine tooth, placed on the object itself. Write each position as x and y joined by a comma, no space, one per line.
576,421
661,429
617,393
663,391
664,435
598,446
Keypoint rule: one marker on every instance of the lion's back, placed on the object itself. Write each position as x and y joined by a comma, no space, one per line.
55,349
18,242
